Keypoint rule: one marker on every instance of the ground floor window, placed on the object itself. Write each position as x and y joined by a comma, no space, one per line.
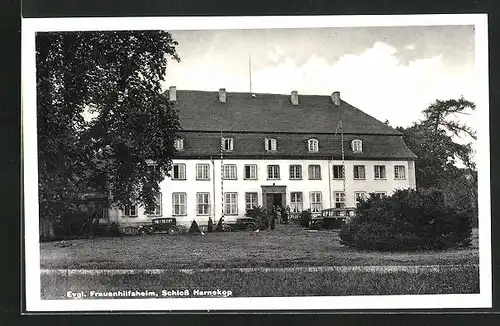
316,203
381,193
230,203
359,195
203,203
158,209
296,202
399,172
339,199
250,200
130,211
179,203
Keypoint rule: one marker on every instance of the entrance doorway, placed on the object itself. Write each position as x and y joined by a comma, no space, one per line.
273,195
274,199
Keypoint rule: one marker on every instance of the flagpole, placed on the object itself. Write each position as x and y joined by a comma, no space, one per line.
250,71
222,174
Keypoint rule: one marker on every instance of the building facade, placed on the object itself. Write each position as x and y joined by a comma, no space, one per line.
241,150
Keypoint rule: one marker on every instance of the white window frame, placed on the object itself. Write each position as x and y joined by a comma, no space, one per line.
296,205
251,200
316,204
129,208
180,203
358,194
357,146
230,172
158,206
271,144
358,177
203,202
273,172
342,171
295,172
339,197
313,145
312,174
179,144
397,172
182,171
231,205
381,193
252,168
227,144
377,172
202,171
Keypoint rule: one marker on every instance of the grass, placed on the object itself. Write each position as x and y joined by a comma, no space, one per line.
271,284
287,246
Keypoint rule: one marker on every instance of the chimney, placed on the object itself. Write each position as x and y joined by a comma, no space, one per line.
172,94
294,97
222,95
336,98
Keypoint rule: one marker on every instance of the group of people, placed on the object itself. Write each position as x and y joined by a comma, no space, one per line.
280,213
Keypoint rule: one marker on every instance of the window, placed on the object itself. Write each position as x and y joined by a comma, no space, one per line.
250,200
295,172
357,146
273,171
312,145
358,195
227,144
359,172
399,172
157,211
179,172
338,172
316,204
130,211
251,171
379,171
230,203
381,193
270,144
339,199
179,203
229,172
202,203
179,144
202,172
314,172
296,202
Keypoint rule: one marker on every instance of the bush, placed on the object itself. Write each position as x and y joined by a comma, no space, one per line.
305,218
407,220
260,216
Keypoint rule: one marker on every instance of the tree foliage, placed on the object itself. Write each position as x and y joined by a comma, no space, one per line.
100,114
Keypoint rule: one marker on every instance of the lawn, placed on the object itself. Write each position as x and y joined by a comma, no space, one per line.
287,246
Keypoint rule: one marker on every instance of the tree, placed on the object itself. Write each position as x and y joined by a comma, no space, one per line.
100,114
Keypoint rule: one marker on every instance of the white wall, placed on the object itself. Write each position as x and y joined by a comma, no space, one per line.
326,185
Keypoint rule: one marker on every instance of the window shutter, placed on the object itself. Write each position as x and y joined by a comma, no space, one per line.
231,144
266,144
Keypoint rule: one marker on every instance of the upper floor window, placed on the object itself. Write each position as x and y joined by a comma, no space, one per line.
227,144
130,211
179,144
179,172
312,145
359,171
357,146
251,171
202,172
314,172
295,172
379,171
229,172
270,144
273,171
338,172
399,172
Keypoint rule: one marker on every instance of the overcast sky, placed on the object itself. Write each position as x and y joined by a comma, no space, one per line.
388,72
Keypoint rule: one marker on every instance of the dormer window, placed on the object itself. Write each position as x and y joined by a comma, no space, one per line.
227,144
357,146
312,145
179,144
270,144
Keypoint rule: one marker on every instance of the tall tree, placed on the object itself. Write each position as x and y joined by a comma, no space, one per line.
101,115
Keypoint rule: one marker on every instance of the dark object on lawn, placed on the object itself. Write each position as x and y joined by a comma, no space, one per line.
260,217
274,216
160,225
195,228
114,230
243,224
210,227
332,218
407,220
305,218
218,228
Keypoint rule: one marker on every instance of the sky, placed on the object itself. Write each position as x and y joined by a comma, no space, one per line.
390,73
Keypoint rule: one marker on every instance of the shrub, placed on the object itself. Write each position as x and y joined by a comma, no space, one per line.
260,216
407,220
305,218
